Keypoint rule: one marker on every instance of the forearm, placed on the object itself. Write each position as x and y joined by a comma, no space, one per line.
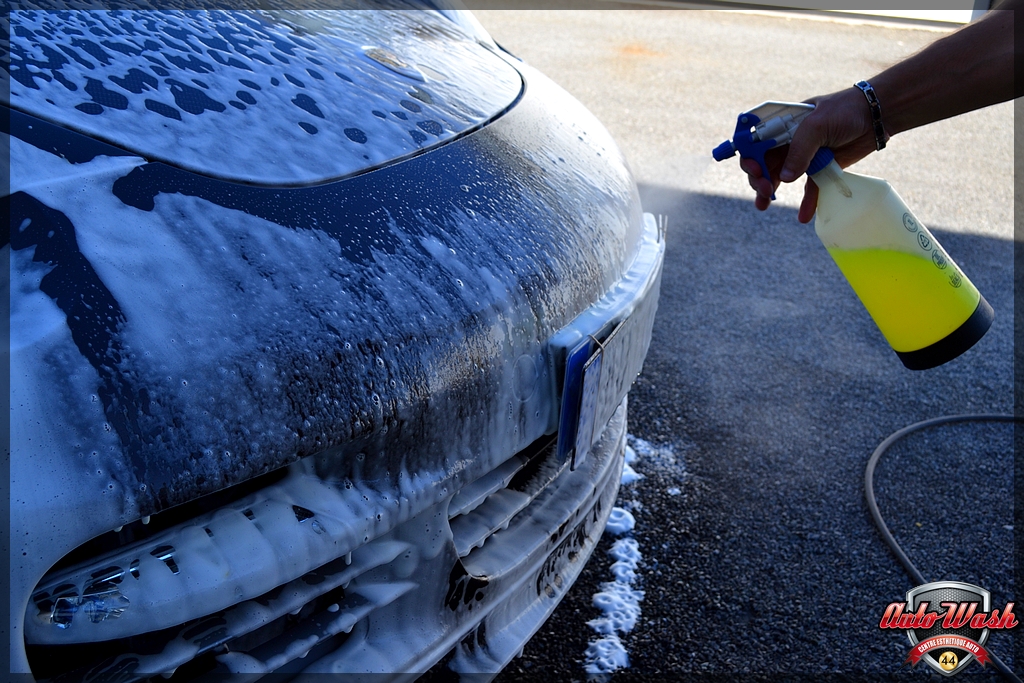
966,70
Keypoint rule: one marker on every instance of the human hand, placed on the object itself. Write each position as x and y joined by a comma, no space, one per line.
840,121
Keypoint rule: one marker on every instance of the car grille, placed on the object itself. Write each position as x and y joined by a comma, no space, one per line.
490,503
314,615
311,613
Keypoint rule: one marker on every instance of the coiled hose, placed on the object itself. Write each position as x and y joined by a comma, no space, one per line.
869,493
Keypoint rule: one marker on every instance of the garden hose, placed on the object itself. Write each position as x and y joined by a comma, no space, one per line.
869,492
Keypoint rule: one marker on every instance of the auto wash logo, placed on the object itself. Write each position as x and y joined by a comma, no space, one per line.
948,623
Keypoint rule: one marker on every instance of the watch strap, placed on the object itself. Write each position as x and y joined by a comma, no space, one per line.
876,113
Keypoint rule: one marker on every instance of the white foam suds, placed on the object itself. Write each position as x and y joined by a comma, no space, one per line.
661,454
629,475
273,119
620,521
618,600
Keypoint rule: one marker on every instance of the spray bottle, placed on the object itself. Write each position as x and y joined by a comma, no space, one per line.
924,305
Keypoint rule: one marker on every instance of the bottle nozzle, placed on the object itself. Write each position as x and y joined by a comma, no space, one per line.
724,151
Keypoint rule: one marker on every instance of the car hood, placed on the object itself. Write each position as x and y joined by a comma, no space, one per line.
265,97
173,334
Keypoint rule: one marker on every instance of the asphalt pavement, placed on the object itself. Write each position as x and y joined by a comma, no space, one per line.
767,386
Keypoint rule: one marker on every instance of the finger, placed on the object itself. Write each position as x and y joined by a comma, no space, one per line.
763,192
809,204
751,168
762,187
800,154
807,140
753,171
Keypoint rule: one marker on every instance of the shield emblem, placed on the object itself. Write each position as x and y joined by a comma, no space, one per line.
949,661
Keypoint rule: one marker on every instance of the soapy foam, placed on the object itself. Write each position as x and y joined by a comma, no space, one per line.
618,600
182,310
266,97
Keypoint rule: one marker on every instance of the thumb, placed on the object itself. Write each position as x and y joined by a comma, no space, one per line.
806,142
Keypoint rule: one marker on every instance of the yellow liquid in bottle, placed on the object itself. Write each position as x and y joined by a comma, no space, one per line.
914,302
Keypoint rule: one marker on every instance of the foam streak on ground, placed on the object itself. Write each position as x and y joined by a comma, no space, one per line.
618,600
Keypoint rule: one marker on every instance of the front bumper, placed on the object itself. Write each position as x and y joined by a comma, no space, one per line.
359,582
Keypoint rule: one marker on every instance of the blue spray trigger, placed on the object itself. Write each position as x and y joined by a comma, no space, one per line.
748,147
768,125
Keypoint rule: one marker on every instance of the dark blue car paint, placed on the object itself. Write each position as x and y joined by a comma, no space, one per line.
423,196
428,380
272,97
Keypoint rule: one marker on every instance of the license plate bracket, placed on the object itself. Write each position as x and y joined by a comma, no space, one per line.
604,349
